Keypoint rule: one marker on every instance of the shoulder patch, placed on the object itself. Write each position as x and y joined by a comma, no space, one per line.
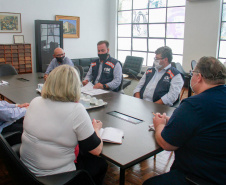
170,73
93,64
110,64
149,71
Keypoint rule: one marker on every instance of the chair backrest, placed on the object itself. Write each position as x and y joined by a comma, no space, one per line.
132,65
193,64
15,166
80,70
7,69
22,175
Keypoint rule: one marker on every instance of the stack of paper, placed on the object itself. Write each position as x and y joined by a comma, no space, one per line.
88,89
2,82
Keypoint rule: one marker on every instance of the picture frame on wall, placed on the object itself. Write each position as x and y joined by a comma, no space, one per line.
71,26
10,22
18,39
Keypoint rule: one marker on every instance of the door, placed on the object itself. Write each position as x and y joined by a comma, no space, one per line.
48,36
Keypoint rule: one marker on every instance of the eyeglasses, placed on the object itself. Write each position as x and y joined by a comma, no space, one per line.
191,72
158,58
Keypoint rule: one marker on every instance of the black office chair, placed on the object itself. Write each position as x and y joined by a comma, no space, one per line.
7,69
126,83
80,70
186,78
193,64
132,65
22,175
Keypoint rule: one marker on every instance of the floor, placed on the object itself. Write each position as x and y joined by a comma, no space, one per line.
135,175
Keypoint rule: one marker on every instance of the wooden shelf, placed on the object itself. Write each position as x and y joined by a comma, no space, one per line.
18,55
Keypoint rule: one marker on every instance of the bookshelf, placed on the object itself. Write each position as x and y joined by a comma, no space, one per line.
18,55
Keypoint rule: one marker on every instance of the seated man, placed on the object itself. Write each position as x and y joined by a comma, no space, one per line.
10,116
59,59
105,72
160,84
197,129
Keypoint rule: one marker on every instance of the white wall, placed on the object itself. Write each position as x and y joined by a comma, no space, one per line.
201,34
94,22
99,19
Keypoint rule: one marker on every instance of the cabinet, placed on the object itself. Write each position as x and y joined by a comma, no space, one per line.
48,36
18,55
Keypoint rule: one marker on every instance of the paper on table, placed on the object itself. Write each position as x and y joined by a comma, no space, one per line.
2,82
88,89
112,135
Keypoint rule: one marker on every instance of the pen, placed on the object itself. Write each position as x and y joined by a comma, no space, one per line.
153,113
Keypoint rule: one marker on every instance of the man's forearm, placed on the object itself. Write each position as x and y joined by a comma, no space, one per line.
161,141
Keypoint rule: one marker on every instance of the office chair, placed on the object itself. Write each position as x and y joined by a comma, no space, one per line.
80,71
125,83
186,78
193,64
132,65
22,175
7,69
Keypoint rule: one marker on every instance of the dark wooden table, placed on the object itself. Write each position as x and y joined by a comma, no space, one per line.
138,143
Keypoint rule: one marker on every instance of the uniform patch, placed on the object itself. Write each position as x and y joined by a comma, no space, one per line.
166,79
93,64
149,71
170,73
110,64
107,70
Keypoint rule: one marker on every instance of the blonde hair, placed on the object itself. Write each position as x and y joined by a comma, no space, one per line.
62,84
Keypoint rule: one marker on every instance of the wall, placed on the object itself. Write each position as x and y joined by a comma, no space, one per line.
202,23
98,20
94,21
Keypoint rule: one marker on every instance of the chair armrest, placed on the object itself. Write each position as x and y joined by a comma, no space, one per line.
13,138
192,179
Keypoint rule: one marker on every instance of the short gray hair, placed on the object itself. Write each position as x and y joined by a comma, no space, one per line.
63,84
212,70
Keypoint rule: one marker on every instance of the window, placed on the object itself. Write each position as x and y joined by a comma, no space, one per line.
145,25
222,42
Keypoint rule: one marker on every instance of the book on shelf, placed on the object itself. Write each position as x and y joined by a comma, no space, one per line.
111,135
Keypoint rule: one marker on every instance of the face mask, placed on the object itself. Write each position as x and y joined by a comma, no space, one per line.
103,56
157,65
191,86
60,59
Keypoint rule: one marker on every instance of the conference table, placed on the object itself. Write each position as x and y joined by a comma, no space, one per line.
138,142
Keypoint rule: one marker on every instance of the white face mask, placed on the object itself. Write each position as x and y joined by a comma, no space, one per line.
157,64
193,86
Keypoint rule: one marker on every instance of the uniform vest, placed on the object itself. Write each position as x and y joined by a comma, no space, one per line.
107,71
163,85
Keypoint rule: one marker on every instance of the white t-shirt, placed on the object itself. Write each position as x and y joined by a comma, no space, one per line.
52,129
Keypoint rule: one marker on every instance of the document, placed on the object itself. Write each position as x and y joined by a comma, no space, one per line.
88,89
2,82
111,135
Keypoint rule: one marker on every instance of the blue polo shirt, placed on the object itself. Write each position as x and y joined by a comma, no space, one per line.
198,128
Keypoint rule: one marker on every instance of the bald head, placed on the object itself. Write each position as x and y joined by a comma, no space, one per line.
58,52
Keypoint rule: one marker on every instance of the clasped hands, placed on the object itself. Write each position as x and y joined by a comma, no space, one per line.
160,119
25,105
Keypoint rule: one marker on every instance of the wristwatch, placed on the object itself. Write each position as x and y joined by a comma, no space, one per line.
104,85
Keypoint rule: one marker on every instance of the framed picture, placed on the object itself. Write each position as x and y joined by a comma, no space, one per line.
18,39
10,22
71,26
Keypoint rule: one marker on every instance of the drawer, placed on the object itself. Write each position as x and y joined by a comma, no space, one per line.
2,59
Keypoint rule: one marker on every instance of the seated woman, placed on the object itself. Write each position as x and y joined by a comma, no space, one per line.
55,123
